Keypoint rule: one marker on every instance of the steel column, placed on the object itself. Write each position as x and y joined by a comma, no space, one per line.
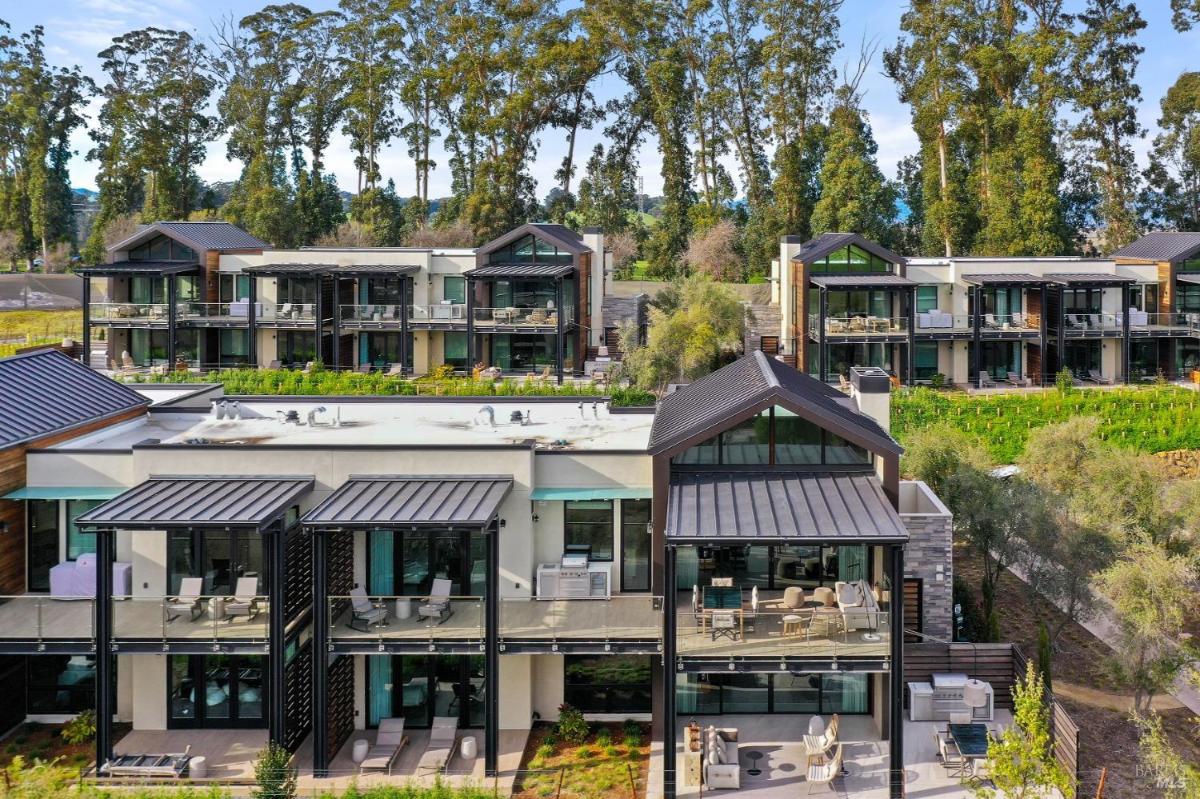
337,324
105,674
668,672
822,317
320,677
976,319
912,336
896,675
470,327
87,321
404,324
1125,332
319,313
558,338
172,288
491,668
1042,333
276,548
252,322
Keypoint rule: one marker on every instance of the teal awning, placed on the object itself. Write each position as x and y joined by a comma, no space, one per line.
64,492
559,494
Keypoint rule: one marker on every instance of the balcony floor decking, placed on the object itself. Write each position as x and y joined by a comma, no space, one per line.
229,753
581,619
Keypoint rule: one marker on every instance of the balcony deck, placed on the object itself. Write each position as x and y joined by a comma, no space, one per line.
766,637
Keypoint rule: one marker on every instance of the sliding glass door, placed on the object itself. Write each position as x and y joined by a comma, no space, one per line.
756,693
419,688
217,691
221,557
406,562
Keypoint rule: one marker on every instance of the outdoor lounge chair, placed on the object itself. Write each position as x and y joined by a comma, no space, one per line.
395,370
989,320
986,381
818,746
244,601
1017,380
441,745
364,612
437,604
1099,379
158,765
188,600
824,774
388,742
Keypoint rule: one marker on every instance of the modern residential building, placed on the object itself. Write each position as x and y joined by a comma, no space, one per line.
978,321
301,570
209,295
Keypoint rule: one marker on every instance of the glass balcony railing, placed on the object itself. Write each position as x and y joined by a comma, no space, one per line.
444,312
154,312
400,618
774,632
1080,322
33,617
380,314
938,322
520,317
204,618
219,311
618,618
1013,321
289,312
1140,321
865,325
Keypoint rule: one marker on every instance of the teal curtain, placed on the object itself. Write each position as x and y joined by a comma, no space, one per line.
852,563
379,697
687,568
381,581
844,693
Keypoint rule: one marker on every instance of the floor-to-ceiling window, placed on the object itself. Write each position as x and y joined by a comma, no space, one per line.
217,691
79,542
520,352
59,684
406,562
589,523
454,349
1143,358
611,684
220,557
843,356
925,360
381,349
148,347
635,545
1082,357
42,522
297,347
845,304
773,567
999,358
752,693
418,688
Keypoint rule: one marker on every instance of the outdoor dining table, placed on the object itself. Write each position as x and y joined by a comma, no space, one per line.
971,740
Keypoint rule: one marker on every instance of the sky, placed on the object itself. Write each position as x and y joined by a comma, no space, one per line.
76,30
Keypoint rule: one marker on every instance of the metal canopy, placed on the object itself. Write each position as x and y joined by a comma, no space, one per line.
1004,279
865,280
381,500
559,493
1188,277
352,270
741,507
521,270
287,270
63,492
140,268
1089,278
200,501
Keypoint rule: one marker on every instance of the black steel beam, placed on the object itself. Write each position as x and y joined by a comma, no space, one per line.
532,647
911,378
319,313
822,317
105,674
172,309
276,623
491,669
896,675
1125,332
765,665
252,321
404,323
559,349
976,324
48,647
409,647
86,302
320,677
668,668
337,323
470,326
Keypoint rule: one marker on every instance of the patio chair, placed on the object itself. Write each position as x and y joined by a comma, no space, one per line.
1099,379
441,745
824,774
244,601
696,614
1094,322
986,381
275,364
363,368
388,742
395,370
723,624
188,600
793,597
1016,380
127,360
843,383
364,612
437,604
1018,319
989,320
952,760
750,615
818,746
308,367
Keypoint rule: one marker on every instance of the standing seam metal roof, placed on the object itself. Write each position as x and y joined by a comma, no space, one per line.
866,279
199,236
817,248
1003,278
520,270
45,392
720,396
1162,245
371,500
200,501
781,505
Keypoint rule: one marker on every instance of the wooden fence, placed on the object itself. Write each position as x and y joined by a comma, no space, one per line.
1000,665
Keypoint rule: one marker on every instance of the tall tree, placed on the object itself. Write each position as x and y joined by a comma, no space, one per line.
1185,14
1173,192
606,193
912,197
798,76
1106,94
371,39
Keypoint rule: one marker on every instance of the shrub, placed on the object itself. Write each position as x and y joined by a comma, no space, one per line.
80,729
937,381
273,774
572,727
1064,380
603,737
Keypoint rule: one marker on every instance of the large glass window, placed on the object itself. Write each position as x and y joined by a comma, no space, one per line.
148,347
1082,300
635,545
1187,356
999,358
1190,265
1082,357
851,259
454,289
297,290
773,567
233,287
1144,297
748,442
589,523
78,541
797,442
454,349
927,298
709,694
234,347
524,294
380,349
925,360
613,684
60,684
1187,298
217,691
297,347
530,249
419,688
43,542
842,304
518,353
162,248
843,356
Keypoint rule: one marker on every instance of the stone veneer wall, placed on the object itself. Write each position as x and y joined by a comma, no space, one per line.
929,558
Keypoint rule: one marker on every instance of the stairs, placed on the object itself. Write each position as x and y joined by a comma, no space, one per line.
766,324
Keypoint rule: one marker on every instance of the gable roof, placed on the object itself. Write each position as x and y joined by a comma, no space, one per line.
1162,245
45,392
198,236
708,406
817,248
561,236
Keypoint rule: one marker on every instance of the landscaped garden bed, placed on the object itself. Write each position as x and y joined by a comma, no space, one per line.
608,761
1148,419
33,741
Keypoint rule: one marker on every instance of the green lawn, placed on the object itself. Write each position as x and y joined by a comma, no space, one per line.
1148,419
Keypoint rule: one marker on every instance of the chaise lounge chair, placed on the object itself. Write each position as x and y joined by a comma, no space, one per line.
437,605
986,381
1099,379
388,742
825,773
244,601
364,612
157,765
188,600
441,745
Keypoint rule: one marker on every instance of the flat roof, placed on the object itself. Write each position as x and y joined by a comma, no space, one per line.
747,506
387,422
381,500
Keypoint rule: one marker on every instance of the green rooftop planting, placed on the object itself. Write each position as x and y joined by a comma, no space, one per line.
1146,419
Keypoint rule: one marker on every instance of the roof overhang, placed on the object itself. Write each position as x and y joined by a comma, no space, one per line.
370,501
286,270
546,232
748,507
521,270
863,281
1005,279
153,268
1097,279
1188,277
162,503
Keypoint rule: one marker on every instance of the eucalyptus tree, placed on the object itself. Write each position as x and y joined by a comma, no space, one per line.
320,108
1173,198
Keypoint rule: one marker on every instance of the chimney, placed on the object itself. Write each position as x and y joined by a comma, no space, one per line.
593,237
782,286
871,389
